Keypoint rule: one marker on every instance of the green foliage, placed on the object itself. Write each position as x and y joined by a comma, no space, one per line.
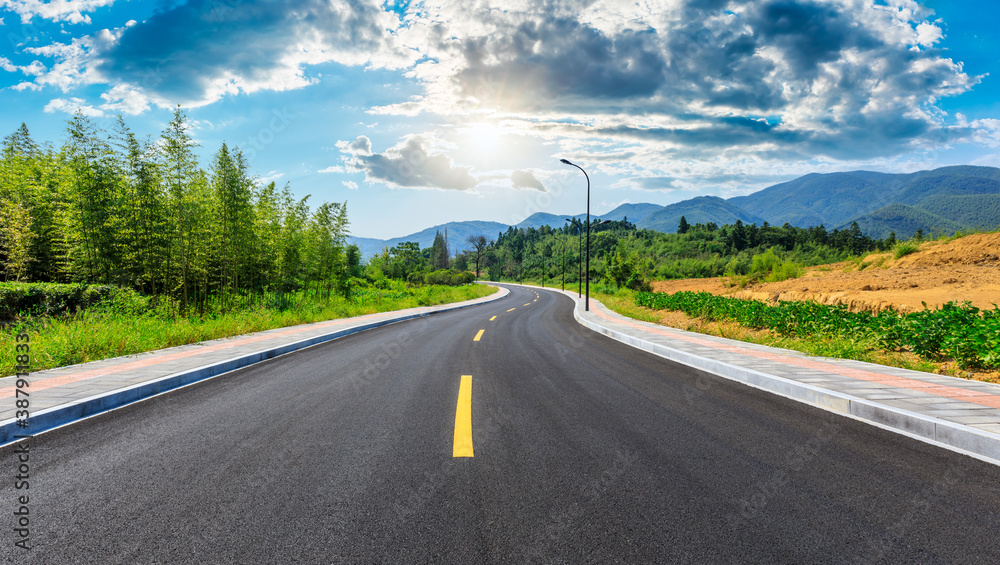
449,277
706,250
905,248
767,266
123,325
962,332
52,299
111,209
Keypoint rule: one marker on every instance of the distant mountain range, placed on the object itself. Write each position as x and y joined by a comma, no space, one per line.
938,201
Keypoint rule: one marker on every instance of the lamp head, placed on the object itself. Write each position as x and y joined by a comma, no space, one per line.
565,162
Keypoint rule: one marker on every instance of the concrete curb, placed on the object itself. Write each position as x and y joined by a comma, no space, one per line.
956,437
65,414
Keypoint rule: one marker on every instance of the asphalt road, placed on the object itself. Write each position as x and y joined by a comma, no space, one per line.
586,451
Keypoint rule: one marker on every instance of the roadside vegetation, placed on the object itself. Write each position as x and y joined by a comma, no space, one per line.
959,332
624,256
112,245
135,324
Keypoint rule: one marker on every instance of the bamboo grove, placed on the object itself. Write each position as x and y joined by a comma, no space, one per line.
111,208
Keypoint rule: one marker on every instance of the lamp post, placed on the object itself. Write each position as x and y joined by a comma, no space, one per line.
586,302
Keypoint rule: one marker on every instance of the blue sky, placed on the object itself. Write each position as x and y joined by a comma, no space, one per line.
422,112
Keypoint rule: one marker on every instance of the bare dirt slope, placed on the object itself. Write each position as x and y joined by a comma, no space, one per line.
964,269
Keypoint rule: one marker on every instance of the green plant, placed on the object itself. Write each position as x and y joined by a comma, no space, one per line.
962,332
905,248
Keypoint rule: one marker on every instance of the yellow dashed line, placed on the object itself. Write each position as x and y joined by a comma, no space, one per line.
493,318
478,335
512,309
462,446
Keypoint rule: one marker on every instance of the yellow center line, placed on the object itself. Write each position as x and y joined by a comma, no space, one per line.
478,335
463,420
528,304
493,318
512,309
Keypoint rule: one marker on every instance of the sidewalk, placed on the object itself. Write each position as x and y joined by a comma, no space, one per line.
63,395
958,414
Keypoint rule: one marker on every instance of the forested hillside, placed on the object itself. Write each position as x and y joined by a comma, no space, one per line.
626,256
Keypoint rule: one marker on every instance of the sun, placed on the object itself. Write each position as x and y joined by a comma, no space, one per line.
484,138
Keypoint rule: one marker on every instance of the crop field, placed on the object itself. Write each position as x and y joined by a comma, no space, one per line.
961,332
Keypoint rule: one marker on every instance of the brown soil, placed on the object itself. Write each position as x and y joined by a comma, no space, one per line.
964,269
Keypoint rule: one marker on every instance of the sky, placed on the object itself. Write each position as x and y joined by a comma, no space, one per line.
418,113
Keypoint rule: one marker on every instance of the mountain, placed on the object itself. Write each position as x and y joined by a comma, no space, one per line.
700,210
634,212
942,200
980,211
458,232
904,221
815,199
539,219
835,199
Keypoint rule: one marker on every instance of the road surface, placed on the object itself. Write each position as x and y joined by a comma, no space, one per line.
585,451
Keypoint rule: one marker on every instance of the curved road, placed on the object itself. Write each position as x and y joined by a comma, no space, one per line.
586,451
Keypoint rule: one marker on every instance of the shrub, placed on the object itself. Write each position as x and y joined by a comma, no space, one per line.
449,277
904,249
51,299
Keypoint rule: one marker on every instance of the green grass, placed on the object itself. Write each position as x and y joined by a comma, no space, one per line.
903,249
104,333
859,349
962,333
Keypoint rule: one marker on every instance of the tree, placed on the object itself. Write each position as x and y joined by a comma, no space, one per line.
142,226
233,191
185,183
683,226
439,256
480,246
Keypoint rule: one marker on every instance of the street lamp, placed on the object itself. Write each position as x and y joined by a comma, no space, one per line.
586,303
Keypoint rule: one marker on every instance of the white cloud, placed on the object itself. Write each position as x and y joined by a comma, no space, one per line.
333,169
408,164
526,180
34,69
928,34
986,132
125,100
71,11
72,106
183,54
832,79
350,184
270,177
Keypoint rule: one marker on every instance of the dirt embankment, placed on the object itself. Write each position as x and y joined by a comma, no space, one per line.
965,269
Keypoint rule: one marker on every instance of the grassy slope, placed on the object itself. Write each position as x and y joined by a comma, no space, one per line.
92,335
